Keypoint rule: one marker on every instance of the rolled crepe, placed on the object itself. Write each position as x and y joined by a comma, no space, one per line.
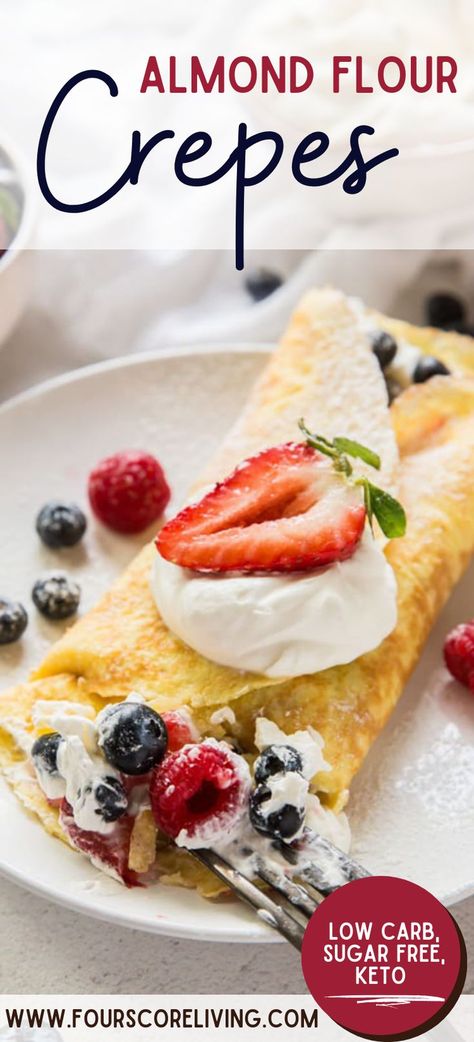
325,371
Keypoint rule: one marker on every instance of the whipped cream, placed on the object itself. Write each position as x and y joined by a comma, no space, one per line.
407,356
404,364
45,711
69,719
282,625
233,836
225,715
81,767
52,783
291,787
249,848
287,788
81,770
309,744
83,774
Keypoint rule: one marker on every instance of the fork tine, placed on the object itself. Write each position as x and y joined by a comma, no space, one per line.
293,892
317,862
268,910
330,868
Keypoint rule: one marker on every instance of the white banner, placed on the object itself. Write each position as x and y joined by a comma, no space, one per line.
173,1018
161,91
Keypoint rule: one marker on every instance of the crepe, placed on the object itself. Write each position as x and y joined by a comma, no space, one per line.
123,644
322,370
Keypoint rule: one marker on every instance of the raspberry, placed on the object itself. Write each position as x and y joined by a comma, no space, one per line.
459,653
128,491
200,793
180,728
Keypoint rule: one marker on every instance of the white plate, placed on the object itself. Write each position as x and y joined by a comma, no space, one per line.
412,805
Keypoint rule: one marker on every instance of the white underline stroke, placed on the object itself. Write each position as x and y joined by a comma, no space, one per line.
389,1000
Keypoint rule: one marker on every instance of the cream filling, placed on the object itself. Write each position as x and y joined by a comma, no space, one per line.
282,625
250,847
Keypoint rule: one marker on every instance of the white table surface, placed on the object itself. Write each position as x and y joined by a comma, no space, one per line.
50,949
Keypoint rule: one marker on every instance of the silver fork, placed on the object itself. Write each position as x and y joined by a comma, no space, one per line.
323,869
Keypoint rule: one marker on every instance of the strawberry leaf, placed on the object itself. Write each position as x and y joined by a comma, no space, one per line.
318,442
378,503
388,511
365,484
354,448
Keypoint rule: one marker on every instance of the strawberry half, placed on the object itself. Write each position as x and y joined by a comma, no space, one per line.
284,510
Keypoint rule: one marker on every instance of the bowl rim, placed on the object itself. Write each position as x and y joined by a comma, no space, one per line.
22,170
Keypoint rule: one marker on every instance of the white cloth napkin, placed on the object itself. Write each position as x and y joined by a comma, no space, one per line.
87,306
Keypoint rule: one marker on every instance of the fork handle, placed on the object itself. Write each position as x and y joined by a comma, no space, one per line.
267,910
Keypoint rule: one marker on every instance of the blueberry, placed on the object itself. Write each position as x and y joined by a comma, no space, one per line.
287,822
133,737
384,347
44,752
111,798
13,621
56,596
262,282
276,759
60,524
427,367
259,796
444,310
281,824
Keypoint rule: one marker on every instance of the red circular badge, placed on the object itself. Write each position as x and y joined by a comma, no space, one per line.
383,958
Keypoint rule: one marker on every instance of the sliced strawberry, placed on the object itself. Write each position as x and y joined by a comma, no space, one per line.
285,510
110,851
